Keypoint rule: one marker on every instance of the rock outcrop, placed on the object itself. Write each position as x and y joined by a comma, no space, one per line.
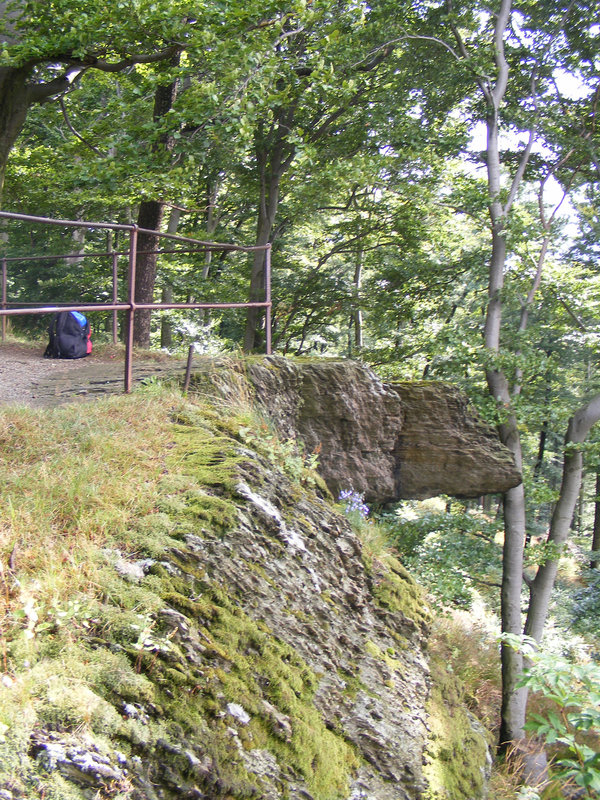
284,661
243,644
237,639
445,448
388,442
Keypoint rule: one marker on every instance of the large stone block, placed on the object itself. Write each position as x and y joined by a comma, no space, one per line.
409,440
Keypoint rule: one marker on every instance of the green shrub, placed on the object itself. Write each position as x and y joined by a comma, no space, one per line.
452,554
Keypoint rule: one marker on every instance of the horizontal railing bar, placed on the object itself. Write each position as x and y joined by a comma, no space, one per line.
69,223
52,309
15,304
166,306
107,253
178,238
120,227
7,312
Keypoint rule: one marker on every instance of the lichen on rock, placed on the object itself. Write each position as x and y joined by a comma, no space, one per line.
237,641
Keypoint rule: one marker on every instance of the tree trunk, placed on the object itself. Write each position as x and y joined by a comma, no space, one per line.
78,239
357,312
274,156
150,216
540,589
596,536
212,221
257,283
15,101
166,328
514,699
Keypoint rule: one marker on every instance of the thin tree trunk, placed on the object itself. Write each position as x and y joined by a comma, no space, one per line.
357,313
78,239
540,589
166,328
212,221
596,535
514,699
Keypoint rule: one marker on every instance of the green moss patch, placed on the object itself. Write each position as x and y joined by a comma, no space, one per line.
83,644
456,754
242,664
394,589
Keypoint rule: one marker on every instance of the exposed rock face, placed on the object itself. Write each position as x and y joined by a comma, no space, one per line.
445,448
241,642
388,442
340,410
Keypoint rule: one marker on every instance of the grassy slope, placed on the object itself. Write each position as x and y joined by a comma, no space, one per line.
81,487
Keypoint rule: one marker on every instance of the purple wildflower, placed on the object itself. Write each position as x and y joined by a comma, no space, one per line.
355,502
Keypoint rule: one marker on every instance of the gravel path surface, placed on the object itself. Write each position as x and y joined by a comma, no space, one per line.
27,378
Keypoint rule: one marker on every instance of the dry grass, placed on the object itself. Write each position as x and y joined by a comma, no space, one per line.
59,507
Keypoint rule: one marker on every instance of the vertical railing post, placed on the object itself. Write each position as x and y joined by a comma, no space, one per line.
4,298
268,298
133,236
110,245
188,369
115,297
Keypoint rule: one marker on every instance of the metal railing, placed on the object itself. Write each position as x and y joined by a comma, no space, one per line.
130,306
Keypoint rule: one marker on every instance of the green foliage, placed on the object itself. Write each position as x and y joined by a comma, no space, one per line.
454,554
571,727
288,454
583,604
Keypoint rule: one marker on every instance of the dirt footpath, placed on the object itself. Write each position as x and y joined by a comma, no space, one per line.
27,378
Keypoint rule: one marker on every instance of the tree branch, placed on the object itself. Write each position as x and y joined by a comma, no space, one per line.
76,67
61,101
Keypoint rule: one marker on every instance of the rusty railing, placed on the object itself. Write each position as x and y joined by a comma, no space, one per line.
130,306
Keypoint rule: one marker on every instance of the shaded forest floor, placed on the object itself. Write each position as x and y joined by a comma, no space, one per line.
27,378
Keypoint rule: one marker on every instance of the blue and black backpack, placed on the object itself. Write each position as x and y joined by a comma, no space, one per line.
70,336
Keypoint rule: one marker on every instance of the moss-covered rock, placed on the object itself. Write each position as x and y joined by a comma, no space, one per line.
229,638
458,760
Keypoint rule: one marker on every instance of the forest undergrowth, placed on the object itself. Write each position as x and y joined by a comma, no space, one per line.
454,550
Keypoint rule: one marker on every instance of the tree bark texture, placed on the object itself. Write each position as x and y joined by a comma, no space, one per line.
15,100
274,155
150,216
